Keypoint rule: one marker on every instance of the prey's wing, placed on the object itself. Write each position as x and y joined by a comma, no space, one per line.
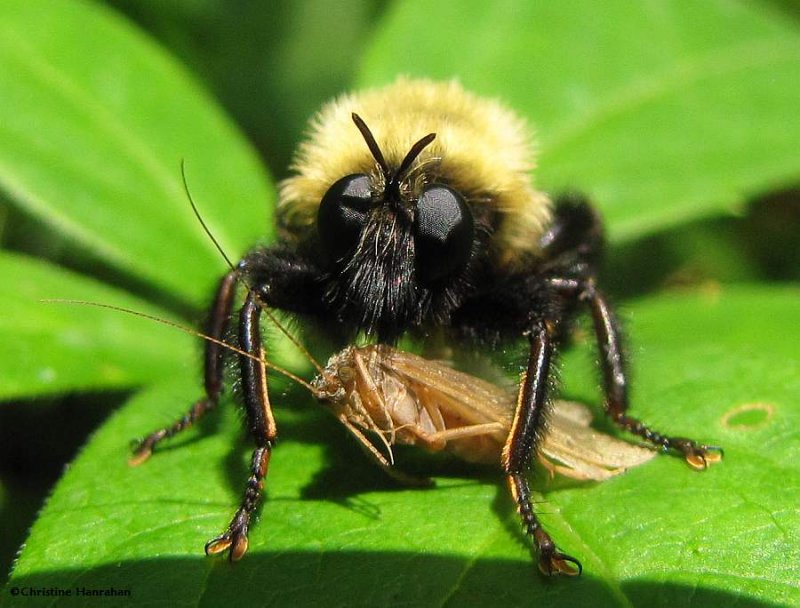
471,399
570,447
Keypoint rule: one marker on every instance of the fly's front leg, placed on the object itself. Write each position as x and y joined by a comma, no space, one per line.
612,362
216,326
526,431
261,425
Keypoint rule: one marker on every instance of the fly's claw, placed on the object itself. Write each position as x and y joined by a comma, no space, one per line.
552,562
142,450
698,456
234,539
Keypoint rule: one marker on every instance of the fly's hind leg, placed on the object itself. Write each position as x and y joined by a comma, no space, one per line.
573,246
698,456
216,326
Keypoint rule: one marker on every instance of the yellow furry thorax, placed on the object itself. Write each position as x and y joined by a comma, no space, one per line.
482,149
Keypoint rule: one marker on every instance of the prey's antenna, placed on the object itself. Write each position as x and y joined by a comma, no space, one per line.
264,306
199,217
293,340
187,330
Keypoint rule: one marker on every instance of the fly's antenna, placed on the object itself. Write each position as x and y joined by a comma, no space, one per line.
392,179
186,330
200,217
412,155
372,145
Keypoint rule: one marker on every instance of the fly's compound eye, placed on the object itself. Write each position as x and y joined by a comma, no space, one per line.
343,213
443,233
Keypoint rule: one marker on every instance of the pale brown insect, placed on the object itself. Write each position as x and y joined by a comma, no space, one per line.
400,398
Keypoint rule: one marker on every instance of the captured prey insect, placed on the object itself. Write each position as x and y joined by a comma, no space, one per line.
402,398
411,212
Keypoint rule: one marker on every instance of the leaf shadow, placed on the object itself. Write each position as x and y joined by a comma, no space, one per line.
348,578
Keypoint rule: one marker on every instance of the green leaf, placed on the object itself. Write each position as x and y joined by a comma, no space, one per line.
663,112
270,51
333,531
94,122
52,348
